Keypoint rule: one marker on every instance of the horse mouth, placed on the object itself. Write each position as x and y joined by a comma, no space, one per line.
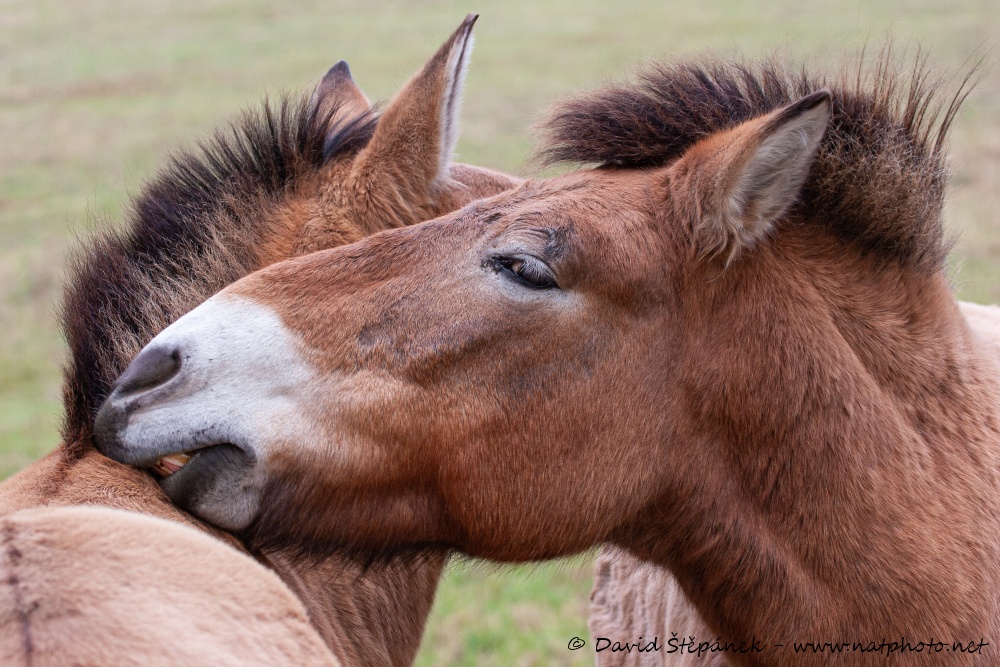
216,482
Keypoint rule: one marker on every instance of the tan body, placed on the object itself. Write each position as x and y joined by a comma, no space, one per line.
94,586
330,175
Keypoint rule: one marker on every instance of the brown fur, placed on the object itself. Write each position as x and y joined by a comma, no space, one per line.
94,586
633,599
280,182
807,438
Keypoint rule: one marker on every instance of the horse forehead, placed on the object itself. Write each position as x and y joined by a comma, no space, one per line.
598,199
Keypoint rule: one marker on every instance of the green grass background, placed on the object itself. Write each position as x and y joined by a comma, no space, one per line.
94,95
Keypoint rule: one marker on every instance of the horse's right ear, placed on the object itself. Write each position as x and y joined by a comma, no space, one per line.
338,95
410,152
736,184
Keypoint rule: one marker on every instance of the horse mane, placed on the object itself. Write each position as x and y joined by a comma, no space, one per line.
879,177
195,228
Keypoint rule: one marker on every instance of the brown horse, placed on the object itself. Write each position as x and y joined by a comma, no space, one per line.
731,349
284,181
97,586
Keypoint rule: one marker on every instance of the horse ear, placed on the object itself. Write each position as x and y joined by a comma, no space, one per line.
338,95
409,153
743,180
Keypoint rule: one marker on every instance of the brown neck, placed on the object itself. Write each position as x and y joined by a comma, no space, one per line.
838,476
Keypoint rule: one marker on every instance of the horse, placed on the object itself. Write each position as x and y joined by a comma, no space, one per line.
98,586
731,349
291,178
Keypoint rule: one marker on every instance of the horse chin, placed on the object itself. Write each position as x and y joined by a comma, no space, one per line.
217,485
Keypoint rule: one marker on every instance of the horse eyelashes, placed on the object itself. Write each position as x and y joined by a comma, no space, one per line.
528,271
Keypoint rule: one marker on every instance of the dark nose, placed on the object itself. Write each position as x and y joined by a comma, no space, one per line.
153,367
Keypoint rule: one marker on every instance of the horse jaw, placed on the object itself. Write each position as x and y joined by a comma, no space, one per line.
214,420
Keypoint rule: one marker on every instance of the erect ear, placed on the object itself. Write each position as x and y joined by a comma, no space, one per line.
338,95
411,148
738,183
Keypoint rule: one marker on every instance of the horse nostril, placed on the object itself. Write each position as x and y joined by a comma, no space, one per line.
154,366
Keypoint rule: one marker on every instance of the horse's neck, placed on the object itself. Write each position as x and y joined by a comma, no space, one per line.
852,490
346,605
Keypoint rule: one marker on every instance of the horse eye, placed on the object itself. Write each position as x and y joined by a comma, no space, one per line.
528,271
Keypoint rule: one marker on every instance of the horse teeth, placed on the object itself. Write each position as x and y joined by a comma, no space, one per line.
171,463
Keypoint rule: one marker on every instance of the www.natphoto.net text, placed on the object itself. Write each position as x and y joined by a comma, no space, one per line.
691,645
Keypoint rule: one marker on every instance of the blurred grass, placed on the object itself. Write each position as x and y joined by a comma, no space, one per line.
490,616
94,94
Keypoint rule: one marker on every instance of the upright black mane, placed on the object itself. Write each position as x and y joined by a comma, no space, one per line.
879,177
191,231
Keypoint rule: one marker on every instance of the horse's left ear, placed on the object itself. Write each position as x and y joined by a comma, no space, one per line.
337,95
738,183
410,152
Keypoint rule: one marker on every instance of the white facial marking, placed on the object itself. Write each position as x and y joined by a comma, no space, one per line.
242,381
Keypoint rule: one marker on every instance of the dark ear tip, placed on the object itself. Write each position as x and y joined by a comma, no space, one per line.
470,20
340,70
813,100
821,98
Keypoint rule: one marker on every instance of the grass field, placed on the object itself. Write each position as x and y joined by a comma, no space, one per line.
94,94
